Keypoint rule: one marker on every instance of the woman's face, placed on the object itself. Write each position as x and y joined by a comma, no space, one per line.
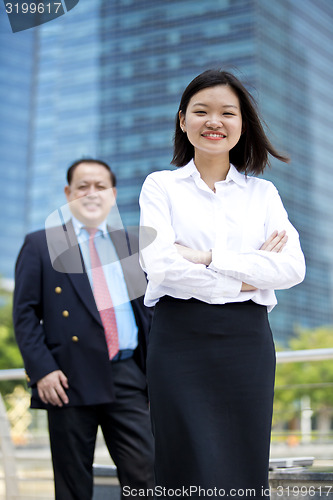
213,121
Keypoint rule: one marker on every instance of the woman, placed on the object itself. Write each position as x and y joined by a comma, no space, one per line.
224,244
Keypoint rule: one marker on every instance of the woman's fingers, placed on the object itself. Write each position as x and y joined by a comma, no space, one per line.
276,242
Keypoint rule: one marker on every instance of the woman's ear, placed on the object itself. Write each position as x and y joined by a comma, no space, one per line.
182,121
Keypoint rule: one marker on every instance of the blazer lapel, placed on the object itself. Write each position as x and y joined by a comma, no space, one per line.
66,258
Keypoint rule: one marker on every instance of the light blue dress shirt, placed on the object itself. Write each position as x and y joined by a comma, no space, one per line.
127,328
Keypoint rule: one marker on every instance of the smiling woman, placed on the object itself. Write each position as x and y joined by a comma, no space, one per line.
224,244
213,124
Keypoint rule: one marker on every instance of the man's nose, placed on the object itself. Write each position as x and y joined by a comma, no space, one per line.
92,190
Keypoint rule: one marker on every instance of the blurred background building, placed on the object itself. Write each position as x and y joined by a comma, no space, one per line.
105,81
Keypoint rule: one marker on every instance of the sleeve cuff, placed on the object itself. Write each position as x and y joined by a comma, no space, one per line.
226,287
223,260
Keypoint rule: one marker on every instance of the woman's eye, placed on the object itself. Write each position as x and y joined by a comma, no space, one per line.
200,112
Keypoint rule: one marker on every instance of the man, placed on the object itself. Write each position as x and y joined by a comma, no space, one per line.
82,334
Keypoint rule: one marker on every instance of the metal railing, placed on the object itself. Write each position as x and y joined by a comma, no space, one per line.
8,453
281,357
304,355
13,374
7,447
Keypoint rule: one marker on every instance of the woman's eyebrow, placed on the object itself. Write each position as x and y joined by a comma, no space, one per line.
201,104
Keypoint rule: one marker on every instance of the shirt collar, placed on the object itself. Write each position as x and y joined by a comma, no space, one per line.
234,175
78,226
191,170
188,170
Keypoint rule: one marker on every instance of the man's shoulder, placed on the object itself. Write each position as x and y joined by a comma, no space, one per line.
46,234
52,241
33,241
40,233
36,235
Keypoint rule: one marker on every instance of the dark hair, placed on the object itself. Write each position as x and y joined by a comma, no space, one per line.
250,155
90,161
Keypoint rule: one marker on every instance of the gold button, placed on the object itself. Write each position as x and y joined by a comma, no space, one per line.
75,338
65,314
58,289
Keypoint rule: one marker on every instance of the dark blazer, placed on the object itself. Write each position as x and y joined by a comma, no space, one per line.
57,324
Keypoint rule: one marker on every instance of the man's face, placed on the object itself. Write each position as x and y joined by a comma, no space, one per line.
90,194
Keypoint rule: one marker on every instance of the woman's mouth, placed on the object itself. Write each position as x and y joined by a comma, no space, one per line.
213,135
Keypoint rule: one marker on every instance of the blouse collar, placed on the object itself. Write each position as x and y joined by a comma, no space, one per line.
190,170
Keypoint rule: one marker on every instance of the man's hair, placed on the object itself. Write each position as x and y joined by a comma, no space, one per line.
90,161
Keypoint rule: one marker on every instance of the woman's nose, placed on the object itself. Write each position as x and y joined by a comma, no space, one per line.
214,122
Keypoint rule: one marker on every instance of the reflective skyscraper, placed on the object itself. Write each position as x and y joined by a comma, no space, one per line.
106,80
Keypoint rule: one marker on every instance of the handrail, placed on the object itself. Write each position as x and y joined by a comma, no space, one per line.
281,357
8,453
13,374
304,355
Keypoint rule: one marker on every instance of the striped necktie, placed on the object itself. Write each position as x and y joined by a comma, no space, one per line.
102,297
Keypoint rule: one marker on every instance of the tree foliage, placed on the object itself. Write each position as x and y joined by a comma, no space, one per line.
312,378
10,354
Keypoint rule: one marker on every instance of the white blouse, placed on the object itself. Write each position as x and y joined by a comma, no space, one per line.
234,222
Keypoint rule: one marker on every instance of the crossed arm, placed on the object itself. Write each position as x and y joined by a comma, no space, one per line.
275,243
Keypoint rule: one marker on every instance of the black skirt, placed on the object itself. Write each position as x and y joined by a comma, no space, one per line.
211,372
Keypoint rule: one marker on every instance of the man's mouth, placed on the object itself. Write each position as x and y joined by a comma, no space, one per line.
91,205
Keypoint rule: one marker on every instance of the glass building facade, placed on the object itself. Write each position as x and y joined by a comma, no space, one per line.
17,73
105,80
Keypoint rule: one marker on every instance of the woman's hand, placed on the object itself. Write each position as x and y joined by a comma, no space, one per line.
276,242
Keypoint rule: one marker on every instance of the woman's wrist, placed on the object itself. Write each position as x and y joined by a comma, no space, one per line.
206,257
195,256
